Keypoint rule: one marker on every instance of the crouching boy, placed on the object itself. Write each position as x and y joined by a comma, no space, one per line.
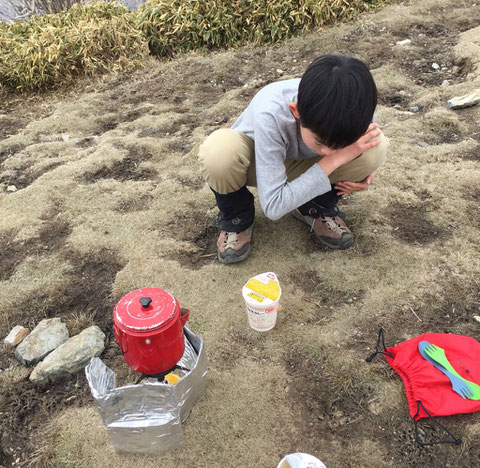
303,143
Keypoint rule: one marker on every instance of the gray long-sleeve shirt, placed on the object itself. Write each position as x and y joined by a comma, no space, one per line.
276,132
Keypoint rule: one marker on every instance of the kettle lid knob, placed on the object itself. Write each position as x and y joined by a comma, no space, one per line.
145,301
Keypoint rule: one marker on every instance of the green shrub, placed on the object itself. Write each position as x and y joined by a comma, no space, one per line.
174,26
51,50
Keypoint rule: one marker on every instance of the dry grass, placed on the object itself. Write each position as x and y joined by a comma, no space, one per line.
109,199
52,50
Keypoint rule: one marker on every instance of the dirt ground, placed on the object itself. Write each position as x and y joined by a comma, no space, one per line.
109,198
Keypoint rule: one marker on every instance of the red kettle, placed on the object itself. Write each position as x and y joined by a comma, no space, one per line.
148,325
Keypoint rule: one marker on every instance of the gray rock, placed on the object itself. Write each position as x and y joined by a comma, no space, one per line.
404,42
71,357
423,144
445,83
464,101
45,337
422,36
414,109
435,66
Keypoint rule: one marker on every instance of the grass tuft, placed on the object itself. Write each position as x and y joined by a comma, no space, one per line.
173,26
54,49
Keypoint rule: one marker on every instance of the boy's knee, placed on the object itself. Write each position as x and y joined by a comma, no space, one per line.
373,158
220,152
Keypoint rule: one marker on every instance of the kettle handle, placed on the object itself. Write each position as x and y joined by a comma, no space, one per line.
184,314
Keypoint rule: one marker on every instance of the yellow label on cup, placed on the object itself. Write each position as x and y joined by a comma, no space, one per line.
270,289
256,297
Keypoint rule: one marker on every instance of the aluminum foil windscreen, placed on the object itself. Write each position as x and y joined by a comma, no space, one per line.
147,418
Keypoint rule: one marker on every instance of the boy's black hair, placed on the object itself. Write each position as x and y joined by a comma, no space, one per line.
336,100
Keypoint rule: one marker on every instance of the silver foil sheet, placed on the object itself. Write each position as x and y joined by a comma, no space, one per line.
147,417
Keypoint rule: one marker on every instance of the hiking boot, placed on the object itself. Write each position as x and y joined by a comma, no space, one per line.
330,231
234,247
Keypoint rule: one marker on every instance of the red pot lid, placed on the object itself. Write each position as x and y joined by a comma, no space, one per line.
146,309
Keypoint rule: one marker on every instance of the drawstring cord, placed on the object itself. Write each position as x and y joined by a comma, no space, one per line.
455,440
381,338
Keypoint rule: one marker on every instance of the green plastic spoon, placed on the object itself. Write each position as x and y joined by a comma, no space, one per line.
438,355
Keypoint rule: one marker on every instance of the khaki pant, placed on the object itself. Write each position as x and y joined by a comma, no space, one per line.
227,158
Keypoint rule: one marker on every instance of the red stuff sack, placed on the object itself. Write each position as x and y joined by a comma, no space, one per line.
429,391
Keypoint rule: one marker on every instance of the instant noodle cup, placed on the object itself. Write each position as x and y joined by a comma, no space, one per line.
262,294
300,460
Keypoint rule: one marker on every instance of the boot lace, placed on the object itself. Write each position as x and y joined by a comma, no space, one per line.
331,223
231,240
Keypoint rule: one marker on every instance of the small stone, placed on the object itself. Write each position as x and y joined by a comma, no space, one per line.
65,137
422,36
11,188
477,318
467,100
445,83
349,300
397,106
280,71
404,42
423,144
414,109
16,336
435,66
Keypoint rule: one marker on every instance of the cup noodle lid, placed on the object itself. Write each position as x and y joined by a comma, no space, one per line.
262,290
300,460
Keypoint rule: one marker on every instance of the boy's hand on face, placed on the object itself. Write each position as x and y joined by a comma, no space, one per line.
337,158
364,143
347,187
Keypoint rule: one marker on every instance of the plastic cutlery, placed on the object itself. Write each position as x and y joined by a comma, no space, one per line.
438,355
458,385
